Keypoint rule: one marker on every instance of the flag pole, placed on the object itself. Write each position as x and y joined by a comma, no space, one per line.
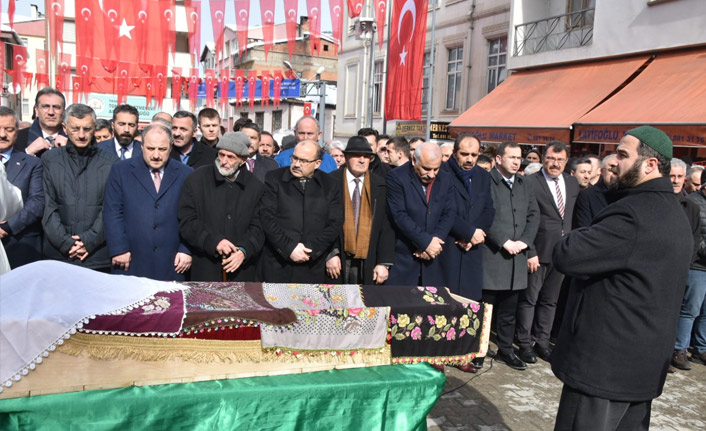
387,63
431,72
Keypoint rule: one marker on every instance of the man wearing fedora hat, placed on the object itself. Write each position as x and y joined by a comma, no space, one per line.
218,215
366,243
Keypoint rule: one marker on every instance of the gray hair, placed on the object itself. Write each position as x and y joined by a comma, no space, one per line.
606,159
694,168
446,144
678,163
335,145
159,127
436,151
296,125
532,168
6,112
80,111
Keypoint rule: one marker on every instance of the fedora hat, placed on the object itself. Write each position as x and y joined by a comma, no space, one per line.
358,145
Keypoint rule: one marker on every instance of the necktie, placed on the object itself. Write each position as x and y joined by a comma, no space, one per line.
356,202
123,150
251,164
50,139
559,198
157,178
509,183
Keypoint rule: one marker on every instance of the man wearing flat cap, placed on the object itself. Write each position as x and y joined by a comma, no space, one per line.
366,243
629,269
218,215
139,211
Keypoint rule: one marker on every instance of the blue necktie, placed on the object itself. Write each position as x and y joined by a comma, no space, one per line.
122,153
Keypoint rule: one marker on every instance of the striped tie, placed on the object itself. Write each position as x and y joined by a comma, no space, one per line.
559,198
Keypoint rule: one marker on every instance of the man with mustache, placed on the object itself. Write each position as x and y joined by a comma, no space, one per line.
124,144
186,148
140,211
218,215
422,211
301,213
629,269
74,184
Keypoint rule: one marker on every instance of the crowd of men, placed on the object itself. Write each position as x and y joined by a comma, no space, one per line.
384,210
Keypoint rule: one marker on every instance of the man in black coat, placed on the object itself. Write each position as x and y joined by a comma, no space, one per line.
556,193
366,243
301,216
218,216
592,200
186,148
629,270
256,163
45,132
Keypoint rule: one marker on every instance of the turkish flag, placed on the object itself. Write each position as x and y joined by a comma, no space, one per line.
242,19
64,72
290,14
239,87
42,74
86,23
314,8
211,82
277,82
380,15
167,15
55,13
159,84
76,89
408,29
83,69
267,12
265,93
252,82
355,7
11,13
336,9
176,88
218,22
19,63
194,82
223,87
193,24
307,109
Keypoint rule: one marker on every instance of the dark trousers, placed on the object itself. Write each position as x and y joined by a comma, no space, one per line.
582,412
537,305
353,272
504,311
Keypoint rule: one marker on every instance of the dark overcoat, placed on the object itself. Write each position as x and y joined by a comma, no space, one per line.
589,203
212,209
291,214
24,242
74,187
463,270
629,272
201,155
142,221
381,248
517,219
26,136
109,145
416,222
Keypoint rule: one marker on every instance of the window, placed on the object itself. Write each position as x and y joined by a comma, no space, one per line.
377,87
578,17
453,78
244,115
351,88
260,120
25,107
276,120
496,62
425,80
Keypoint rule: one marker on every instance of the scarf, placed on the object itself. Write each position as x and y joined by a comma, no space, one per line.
357,243
465,176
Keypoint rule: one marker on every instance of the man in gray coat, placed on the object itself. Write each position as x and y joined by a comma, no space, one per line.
507,243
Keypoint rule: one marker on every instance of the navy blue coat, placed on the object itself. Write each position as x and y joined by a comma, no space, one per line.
109,145
416,222
26,136
463,270
140,220
24,242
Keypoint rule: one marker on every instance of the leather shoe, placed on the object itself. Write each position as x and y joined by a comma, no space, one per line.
544,353
527,355
478,362
511,360
467,368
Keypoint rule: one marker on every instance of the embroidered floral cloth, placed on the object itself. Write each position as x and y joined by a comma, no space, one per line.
329,318
427,324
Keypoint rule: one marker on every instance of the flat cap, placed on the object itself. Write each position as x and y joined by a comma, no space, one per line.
653,138
237,143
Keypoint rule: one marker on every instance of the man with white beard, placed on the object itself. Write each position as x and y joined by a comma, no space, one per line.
218,216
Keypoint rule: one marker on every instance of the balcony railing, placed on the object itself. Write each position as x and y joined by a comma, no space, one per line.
554,33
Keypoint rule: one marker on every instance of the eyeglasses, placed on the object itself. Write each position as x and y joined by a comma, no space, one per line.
46,107
296,159
555,160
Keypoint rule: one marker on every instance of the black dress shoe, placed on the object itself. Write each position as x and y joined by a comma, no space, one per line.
478,362
543,352
527,355
511,360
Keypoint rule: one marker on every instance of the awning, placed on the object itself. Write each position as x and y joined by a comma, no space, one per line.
538,106
669,94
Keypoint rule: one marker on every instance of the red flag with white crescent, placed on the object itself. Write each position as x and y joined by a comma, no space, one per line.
218,22
277,90
252,82
159,84
290,14
265,98
64,70
193,25
194,82
336,9
11,13
19,64
176,88
83,70
314,9
42,68
355,7
87,17
167,16
55,13
239,87
267,13
110,29
242,20
403,96
211,81
76,89
380,15
223,87
122,81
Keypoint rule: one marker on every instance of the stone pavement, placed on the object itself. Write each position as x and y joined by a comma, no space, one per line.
499,398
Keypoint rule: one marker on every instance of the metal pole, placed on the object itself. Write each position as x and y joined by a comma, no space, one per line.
322,108
371,71
431,72
387,65
51,66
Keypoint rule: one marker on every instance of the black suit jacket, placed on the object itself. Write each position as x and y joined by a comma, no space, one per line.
551,226
381,248
201,155
29,135
263,165
589,203
109,145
